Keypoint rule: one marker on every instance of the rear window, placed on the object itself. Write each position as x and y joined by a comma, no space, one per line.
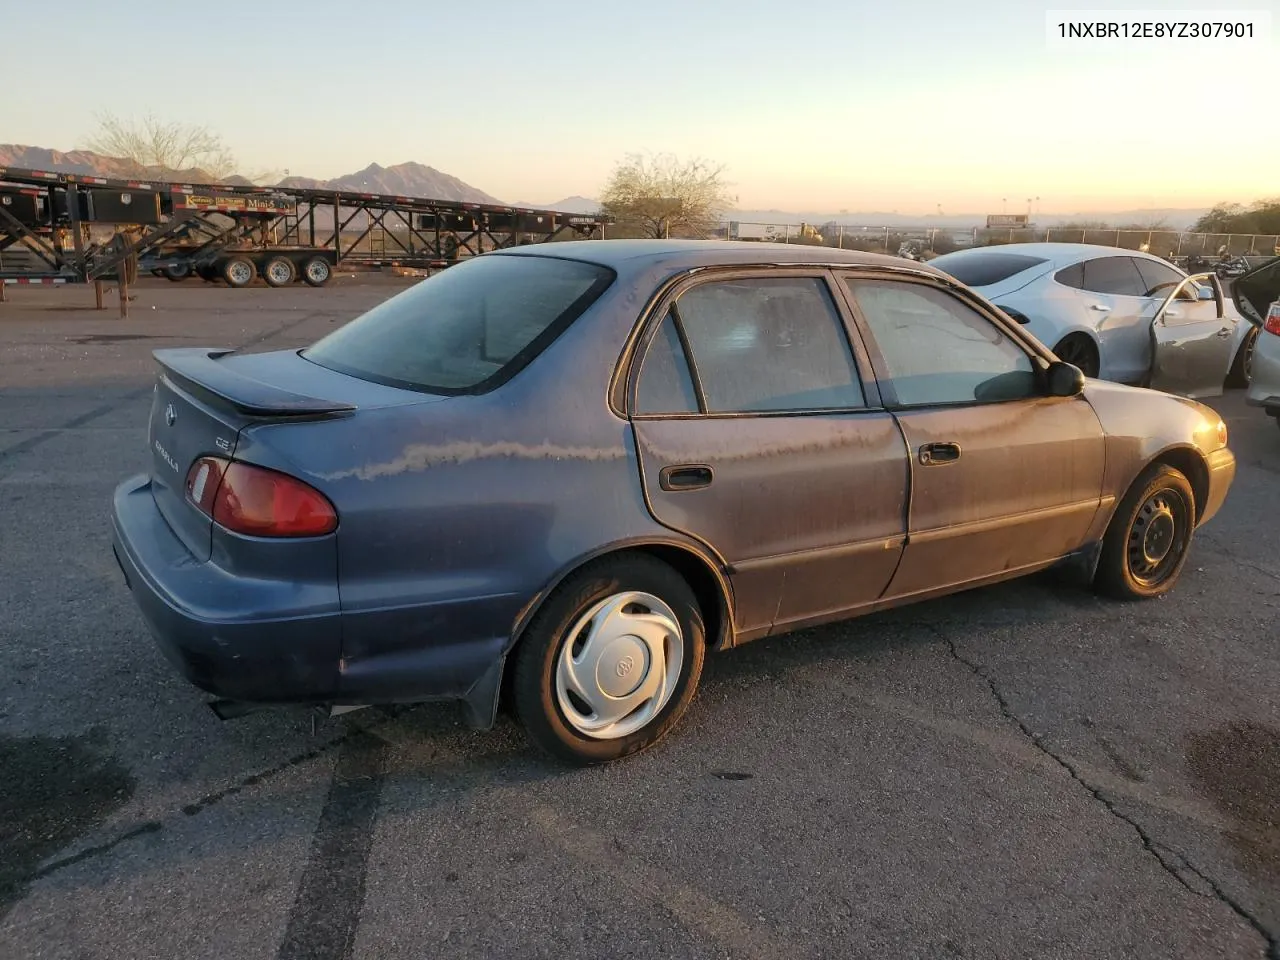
982,268
466,329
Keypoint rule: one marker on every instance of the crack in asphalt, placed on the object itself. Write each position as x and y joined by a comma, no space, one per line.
1169,859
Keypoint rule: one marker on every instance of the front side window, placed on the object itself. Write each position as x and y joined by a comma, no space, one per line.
939,350
1160,279
467,328
769,344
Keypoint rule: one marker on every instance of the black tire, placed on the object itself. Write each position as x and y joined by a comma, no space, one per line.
176,272
238,272
207,273
316,272
1161,495
157,272
1080,351
278,272
533,684
1241,366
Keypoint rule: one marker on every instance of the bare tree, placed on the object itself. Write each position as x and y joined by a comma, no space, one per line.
149,144
661,193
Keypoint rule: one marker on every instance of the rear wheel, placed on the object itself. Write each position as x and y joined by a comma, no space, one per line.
611,662
1146,545
1242,367
238,272
177,272
277,272
1079,351
316,272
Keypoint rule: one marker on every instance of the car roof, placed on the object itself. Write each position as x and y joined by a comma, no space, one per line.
1061,252
633,254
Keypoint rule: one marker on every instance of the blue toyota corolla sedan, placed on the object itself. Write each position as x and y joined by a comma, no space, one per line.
554,476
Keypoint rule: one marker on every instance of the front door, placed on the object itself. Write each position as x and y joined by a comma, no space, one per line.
757,435
1192,343
1003,477
1191,339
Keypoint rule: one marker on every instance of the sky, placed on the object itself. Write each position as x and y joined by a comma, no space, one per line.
821,105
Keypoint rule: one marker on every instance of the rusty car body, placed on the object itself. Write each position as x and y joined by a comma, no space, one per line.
555,476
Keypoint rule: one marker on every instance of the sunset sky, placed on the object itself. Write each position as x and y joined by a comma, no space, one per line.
811,104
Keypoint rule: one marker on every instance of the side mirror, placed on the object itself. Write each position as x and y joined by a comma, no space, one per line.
1064,380
1205,293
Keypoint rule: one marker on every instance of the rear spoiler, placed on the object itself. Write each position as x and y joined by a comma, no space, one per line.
197,368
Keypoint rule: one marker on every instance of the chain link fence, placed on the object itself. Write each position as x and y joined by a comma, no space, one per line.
938,240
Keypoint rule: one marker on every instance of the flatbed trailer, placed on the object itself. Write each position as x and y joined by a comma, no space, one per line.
74,228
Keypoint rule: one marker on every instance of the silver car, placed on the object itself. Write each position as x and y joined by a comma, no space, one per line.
1257,294
1102,308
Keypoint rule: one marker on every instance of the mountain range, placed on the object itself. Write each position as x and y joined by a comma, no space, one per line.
417,180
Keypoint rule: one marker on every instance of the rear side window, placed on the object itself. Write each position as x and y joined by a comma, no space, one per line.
467,329
1114,275
982,268
665,383
1072,276
769,344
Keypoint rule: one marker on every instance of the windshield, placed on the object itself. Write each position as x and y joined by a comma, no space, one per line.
982,268
466,329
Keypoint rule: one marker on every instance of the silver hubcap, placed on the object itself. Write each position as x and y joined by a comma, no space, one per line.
619,665
239,272
279,272
317,270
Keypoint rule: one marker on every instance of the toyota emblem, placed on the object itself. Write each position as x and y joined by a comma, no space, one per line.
170,415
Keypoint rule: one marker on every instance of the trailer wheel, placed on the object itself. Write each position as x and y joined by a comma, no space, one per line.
207,273
278,272
316,272
177,271
238,272
157,272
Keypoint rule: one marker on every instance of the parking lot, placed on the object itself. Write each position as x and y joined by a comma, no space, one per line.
1021,771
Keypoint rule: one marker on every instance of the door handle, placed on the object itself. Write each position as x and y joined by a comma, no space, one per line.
1172,313
933,454
1224,332
685,476
1100,307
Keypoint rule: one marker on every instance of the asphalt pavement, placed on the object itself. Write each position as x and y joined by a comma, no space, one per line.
1021,771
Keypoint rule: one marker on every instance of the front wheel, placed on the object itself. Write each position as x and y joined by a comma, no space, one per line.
611,662
1147,543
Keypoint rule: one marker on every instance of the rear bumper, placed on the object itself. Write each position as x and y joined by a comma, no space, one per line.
1222,471
256,640
233,637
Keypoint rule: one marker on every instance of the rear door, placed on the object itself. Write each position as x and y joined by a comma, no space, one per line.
1003,477
1115,299
759,435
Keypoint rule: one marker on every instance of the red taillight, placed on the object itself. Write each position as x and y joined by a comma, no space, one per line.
258,502
1272,324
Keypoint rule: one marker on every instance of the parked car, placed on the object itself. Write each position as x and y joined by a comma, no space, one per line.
557,475
1257,294
1096,306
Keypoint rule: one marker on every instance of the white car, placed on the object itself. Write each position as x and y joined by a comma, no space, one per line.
1102,308
1257,294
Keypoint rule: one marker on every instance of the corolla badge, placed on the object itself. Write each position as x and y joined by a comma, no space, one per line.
170,415
164,455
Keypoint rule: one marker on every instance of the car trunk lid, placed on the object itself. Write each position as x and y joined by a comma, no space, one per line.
204,397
